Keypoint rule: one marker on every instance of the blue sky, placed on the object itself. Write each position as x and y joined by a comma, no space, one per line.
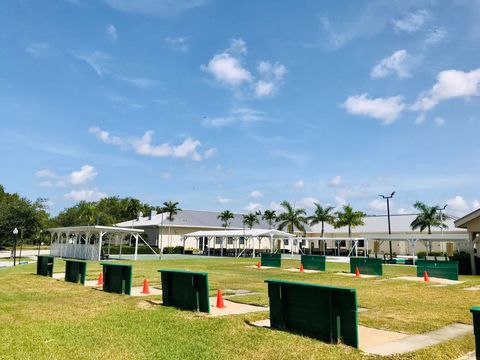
222,105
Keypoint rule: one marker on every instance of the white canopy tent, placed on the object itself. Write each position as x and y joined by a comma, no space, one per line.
85,242
236,237
337,240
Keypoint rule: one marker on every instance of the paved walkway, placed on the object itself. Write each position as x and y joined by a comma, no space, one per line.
416,342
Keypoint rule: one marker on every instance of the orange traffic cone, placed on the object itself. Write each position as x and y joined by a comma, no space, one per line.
220,303
357,272
425,276
100,279
259,265
301,267
145,287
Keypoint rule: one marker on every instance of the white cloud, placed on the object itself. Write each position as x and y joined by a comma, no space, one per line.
210,153
377,205
435,36
144,146
411,22
253,207
37,49
307,202
223,201
299,184
450,84
336,181
385,109
141,83
439,121
397,63
237,46
458,205
178,43
228,70
53,184
256,194
420,119
402,211
167,175
97,60
227,67
158,8
85,195
275,206
111,32
45,173
244,116
86,173
340,200
475,204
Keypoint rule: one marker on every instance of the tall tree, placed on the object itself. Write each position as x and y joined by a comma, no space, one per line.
291,218
429,216
349,217
225,217
250,219
322,215
172,209
270,216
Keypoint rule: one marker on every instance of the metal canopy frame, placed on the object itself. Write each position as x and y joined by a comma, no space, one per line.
85,242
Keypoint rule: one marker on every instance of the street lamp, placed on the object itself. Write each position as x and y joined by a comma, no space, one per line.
388,216
441,219
15,234
39,241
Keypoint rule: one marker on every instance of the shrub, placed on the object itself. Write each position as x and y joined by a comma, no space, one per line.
168,250
178,250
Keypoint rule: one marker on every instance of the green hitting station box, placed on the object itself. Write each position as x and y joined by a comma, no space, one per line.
476,328
366,266
326,313
273,260
117,278
438,269
314,262
75,271
186,290
45,265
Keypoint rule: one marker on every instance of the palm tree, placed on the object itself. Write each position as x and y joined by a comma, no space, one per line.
292,218
225,217
429,216
349,218
270,217
250,220
322,215
172,209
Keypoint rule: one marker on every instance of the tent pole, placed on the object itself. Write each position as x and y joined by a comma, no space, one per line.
136,247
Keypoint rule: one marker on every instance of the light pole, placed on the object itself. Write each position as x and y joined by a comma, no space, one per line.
40,239
15,234
441,219
388,216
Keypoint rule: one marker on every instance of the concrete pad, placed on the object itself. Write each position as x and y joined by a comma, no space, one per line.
416,342
92,283
353,275
262,267
137,291
262,323
58,276
369,337
432,280
306,271
233,308
473,288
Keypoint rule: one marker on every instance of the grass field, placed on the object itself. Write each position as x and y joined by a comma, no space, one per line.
41,318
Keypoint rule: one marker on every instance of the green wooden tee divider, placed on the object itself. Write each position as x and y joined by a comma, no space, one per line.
476,328
117,278
314,262
439,269
45,265
367,266
327,313
185,289
75,271
273,260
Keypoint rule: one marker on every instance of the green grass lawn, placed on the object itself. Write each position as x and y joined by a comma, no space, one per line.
42,318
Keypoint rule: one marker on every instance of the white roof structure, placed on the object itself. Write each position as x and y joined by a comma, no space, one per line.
191,218
93,228
378,224
271,233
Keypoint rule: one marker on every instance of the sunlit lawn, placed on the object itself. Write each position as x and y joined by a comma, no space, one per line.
44,318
